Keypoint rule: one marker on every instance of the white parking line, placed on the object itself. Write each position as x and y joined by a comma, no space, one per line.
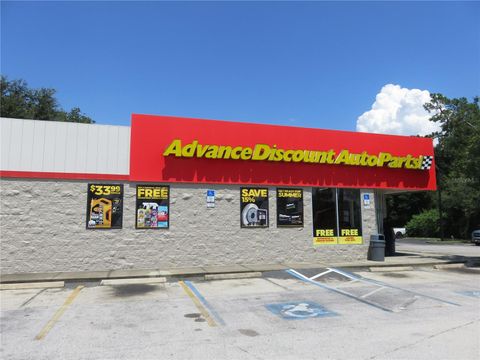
372,292
321,274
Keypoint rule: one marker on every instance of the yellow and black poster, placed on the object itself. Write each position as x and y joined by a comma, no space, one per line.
290,207
349,216
153,207
253,207
350,237
325,237
104,206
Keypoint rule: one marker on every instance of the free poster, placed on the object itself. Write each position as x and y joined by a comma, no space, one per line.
152,207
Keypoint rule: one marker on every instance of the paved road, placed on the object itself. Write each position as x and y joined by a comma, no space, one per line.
275,317
421,246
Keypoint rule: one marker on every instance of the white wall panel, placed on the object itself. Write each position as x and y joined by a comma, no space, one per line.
38,145
5,136
72,151
92,150
15,145
49,146
112,144
81,149
103,146
123,149
61,146
26,149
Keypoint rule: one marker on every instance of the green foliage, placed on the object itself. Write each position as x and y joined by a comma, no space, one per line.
401,207
21,102
457,156
425,224
457,161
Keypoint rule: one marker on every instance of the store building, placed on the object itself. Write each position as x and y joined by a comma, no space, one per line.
175,192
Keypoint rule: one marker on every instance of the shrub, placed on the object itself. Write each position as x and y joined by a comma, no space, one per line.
425,224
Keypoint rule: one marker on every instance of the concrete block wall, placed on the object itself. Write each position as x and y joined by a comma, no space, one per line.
43,229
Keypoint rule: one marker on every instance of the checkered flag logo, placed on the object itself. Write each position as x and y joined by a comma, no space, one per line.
426,163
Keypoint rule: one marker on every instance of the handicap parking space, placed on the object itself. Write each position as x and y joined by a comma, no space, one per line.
275,316
299,310
255,307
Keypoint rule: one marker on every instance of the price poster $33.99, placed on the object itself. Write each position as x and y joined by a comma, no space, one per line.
105,206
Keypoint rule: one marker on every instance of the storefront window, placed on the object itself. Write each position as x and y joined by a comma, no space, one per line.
324,216
350,222
336,216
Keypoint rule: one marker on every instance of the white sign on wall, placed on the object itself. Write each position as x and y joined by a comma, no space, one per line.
366,201
210,198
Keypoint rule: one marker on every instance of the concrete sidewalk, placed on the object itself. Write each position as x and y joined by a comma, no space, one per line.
403,259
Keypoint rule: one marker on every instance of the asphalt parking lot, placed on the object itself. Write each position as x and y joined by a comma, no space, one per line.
298,314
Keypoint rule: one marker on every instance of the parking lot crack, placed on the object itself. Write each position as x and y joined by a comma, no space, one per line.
275,283
247,352
424,339
33,297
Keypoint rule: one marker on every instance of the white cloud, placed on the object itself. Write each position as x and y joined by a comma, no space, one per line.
398,111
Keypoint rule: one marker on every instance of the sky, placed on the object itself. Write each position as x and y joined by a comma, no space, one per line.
359,66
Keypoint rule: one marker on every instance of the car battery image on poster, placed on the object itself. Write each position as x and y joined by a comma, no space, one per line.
152,207
253,207
104,206
290,207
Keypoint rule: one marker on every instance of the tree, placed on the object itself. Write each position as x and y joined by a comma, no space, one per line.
425,224
20,101
401,207
457,159
457,156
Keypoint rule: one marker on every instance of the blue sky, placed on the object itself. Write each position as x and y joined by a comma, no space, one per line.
314,64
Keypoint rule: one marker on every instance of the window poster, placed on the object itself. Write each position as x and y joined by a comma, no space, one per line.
253,207
104,206
336,216
350,221
152,207
290,207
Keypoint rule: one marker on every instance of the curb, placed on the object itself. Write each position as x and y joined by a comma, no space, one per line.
224,272
246,275
449,266
116,282
35,285
393,268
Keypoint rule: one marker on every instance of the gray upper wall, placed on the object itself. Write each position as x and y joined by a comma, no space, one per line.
52,146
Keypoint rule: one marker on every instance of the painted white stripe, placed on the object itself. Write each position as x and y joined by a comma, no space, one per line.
347,283
321,274
372,292
301,275
345,274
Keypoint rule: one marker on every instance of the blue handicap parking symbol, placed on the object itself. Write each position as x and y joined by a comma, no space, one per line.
210,192
299,310
471,293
